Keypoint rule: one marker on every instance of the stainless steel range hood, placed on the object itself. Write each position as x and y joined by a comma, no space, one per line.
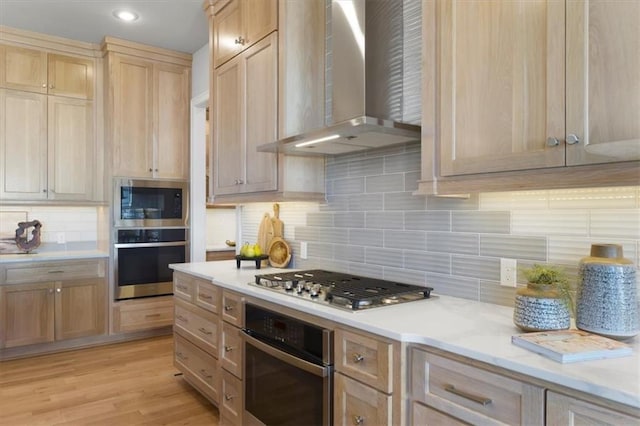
373,79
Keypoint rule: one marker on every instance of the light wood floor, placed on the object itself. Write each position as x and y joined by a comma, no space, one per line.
129,383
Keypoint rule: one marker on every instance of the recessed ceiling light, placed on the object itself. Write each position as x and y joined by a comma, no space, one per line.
125,15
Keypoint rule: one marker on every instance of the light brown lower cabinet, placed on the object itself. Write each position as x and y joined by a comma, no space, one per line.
359,404
453,389
571,411
230,399
199,368
142,314
48,302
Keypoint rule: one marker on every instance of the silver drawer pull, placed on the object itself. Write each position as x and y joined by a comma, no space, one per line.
57,271
228,308
152,315
228,397
228,348
204,374
182,287
358,358
358,420
181,318
182,356
475,398
204,296
205,331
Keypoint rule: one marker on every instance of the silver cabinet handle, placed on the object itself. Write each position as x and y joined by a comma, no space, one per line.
228,308
572,139
58,290
240,41
204,374
204,296
205,331
358,358
51,86
182,356
150,170
358,420
228,348
471,397
181,318
182,287
55,271
553,142
50,291
44,85
240,181
44,190
228,397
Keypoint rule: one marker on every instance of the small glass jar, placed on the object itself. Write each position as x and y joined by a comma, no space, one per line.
607,301
540,307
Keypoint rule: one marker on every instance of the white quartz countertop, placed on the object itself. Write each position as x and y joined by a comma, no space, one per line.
476,330
50,256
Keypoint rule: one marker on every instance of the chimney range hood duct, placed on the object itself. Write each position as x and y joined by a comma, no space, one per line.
373,79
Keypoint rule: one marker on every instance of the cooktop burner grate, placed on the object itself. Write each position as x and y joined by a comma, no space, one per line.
344,290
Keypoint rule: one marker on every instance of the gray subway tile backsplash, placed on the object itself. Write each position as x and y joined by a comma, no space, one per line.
385,183
481,222
450,242
533,248
372,225
410,240
384,220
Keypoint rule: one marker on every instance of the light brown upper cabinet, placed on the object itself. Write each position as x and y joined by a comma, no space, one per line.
240,24
148,111
271,89
522,89
37,71
47,147
246,90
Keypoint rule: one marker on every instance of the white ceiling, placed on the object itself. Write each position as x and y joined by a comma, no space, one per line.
173,24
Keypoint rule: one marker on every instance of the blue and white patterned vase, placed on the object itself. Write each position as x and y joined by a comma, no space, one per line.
607,301
540,307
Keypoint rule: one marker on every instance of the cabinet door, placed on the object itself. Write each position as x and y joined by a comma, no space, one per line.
259,18
171,121
23,145
71,77
261,109
357,404
603,83
23,69
132,113
80,308
501,85
228,127
565,410
227,31
26,314
71,148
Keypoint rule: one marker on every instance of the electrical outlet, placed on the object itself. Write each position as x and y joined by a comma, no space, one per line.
303,249
508,272
60,238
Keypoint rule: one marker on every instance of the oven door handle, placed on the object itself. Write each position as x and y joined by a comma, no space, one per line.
307,366
139,245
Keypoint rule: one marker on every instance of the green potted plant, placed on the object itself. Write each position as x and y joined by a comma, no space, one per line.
545,303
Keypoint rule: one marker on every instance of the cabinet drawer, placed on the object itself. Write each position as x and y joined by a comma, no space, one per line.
472,394
423,415
232,308
231,353
356,403
231,399
198,325
58,271
183,286
207,296
365,358
199,368
133,315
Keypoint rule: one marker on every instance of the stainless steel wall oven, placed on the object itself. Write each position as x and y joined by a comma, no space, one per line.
288,370
150,231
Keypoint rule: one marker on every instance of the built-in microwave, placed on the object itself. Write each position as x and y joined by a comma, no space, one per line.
150,203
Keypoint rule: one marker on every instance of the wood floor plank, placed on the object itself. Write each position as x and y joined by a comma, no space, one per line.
130,383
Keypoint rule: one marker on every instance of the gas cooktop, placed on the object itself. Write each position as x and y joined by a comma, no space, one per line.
346,291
